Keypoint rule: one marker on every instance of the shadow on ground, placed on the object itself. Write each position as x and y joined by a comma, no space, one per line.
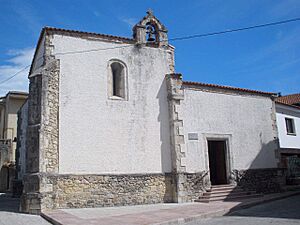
9,204
10,214
288,208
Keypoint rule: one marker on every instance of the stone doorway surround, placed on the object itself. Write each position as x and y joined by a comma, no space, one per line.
227,138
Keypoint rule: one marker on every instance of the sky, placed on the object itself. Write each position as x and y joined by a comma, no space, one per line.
266,59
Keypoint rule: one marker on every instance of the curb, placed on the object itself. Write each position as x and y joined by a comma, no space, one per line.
49,219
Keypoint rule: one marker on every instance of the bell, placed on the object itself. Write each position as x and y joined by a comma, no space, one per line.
151,39
151,32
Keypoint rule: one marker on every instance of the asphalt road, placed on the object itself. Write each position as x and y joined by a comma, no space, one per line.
280,212
9,213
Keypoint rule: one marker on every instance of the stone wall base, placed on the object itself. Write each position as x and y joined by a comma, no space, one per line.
54,191
190,186
31,203
31,197
48,191
261,180
17,188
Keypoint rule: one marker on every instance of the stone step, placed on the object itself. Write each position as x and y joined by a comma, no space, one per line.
236,197
227,198
225,190
223,185
291,187
224,196
216,194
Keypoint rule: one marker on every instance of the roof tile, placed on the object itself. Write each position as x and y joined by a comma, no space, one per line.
228,88
289,99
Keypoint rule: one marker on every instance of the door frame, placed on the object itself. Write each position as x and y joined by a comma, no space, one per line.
227,138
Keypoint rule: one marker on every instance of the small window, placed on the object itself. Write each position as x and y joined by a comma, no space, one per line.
117,80
290,126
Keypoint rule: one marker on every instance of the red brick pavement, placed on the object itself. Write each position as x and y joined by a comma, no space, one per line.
160,214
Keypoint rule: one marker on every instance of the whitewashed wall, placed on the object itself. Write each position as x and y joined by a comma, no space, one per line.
285,140
99,135
243,120
39,59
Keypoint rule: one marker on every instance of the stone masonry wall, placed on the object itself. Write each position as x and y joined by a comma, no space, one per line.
49,128
31,197
194,185
175,96
261,180
42,131
77,191
34,119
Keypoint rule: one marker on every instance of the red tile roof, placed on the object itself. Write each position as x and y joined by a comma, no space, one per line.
289,99
228,88
111,37
78,33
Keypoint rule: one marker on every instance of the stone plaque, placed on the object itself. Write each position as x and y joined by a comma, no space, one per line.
193,136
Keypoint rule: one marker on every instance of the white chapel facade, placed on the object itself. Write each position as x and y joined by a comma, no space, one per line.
111,123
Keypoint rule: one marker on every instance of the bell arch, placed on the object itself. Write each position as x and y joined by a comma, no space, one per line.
150,30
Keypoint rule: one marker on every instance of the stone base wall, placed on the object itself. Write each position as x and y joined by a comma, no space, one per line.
83,191
44,191
192,185
261,180
31,197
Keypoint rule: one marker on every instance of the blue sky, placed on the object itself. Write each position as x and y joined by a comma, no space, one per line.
265,59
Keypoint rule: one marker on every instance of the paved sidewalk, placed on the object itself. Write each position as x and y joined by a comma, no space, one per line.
10,215
163,214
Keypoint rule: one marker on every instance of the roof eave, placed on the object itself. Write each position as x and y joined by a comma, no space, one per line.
287,105
43,32
229,88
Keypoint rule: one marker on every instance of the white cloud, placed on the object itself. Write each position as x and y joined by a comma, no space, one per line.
129,21
96,13
285,9
17,60
28,15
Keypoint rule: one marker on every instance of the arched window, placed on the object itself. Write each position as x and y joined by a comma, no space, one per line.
117,80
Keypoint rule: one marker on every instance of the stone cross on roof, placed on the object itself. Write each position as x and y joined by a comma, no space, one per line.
150,12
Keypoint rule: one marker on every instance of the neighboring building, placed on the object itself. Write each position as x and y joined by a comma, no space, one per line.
9,106
293,99
111,123
288,122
